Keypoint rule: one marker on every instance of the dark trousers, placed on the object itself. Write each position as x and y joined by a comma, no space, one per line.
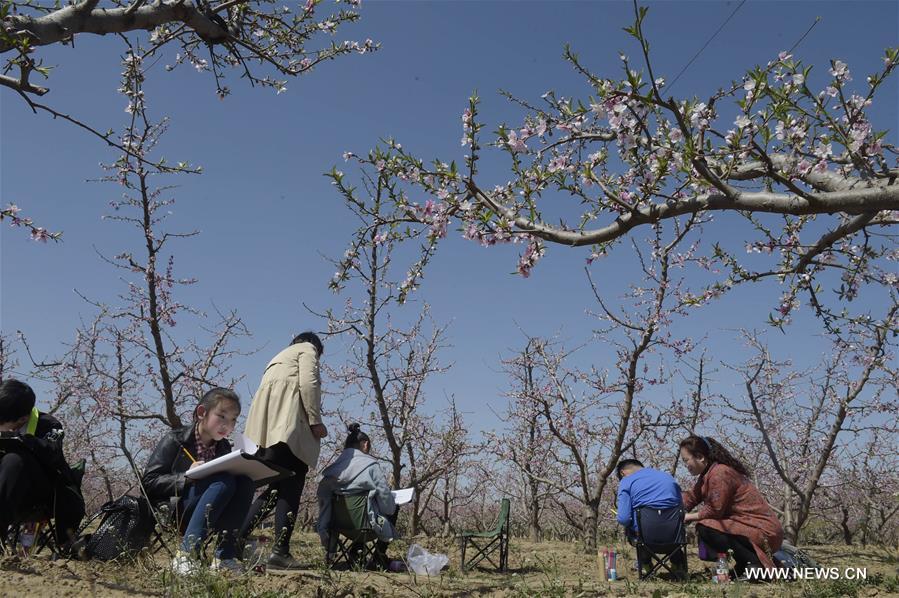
662,530
740,546
678,558
23,487
289,491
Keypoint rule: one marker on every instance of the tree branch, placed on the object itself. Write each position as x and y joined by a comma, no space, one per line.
853,201
65,23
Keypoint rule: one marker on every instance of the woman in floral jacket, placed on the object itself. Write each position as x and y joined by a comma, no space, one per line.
733,515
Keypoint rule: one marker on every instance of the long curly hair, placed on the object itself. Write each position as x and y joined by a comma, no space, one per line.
713,451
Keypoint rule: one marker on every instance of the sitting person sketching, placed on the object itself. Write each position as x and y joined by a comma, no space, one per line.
357,472
646,487
219,501
733,515
37,475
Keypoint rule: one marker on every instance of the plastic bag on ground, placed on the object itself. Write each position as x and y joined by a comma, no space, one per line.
423,562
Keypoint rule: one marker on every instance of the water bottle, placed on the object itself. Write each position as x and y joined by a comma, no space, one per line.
721,569
601,556
613,573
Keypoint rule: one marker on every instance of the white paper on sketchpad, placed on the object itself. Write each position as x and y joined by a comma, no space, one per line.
403,495
235,463
244,444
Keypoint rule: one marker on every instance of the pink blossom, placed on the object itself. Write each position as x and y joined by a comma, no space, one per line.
515,143
804,167
840,71
557,163
699,116
858,134
40,234
730,137
779,130
530,257
627,141
824,150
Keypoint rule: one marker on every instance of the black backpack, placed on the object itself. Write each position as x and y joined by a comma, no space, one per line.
790,557
125,529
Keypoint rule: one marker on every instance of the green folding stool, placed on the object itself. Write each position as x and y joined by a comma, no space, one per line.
351,540
487,544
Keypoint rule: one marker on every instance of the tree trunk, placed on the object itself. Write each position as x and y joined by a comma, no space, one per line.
866,523
533,510
590,528
415,521
844,525
787,507
533,524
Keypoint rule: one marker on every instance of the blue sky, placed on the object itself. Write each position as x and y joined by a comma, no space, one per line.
267,216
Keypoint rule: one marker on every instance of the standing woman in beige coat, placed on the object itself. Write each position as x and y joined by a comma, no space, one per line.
285,421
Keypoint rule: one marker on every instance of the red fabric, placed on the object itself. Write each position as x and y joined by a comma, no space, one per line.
731,504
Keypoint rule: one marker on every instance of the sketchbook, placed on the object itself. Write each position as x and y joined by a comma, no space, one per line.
403,495
241,461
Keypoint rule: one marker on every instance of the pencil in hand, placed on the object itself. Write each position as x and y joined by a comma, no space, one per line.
189,456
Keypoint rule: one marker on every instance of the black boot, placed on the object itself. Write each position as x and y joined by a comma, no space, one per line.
282,561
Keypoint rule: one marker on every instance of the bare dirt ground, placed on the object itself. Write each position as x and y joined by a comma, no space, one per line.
544,569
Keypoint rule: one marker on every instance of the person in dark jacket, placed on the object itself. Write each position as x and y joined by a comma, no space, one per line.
219,501
34,475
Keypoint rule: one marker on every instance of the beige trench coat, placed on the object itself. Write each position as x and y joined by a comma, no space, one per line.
288,402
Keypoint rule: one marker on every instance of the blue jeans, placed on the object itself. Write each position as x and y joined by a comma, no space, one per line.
219,502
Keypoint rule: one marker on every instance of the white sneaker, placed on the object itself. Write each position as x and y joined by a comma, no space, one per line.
182,564
232,565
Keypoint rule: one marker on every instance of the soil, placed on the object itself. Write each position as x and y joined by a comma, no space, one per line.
541,569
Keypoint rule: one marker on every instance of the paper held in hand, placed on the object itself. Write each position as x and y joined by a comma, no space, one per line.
403,495
241,461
